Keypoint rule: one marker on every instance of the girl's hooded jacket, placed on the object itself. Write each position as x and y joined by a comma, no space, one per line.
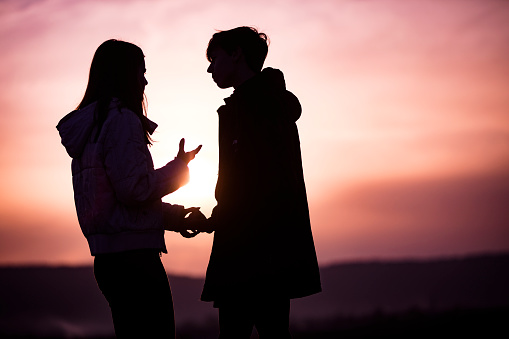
117,191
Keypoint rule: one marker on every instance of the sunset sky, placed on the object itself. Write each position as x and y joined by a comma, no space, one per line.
404,131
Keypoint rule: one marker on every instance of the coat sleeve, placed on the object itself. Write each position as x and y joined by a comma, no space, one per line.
129,165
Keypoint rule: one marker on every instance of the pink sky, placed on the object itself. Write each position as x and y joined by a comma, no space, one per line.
405,129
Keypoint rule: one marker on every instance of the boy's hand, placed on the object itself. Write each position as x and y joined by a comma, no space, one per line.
195,216
197,221
186,156
189,234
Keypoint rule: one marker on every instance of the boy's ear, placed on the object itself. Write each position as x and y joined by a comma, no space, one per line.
237,54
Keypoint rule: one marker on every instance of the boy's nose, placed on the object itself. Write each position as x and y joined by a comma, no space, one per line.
209,69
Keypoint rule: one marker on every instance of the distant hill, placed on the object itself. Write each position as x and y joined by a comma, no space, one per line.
66,302
393,287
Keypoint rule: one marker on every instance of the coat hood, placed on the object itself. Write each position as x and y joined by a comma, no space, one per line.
75,129
270,82
77,126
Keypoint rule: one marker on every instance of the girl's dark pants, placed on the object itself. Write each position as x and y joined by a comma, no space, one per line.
136,287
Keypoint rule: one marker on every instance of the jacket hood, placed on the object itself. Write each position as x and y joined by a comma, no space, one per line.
77,126
75,129
273,79
271,82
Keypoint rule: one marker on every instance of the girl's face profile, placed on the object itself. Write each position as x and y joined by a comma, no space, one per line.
141,76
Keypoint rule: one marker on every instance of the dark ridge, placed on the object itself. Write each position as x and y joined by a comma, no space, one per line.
358,300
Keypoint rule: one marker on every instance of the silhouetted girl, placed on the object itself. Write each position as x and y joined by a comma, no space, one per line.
118,192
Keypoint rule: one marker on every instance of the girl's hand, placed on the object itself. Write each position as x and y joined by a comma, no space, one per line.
186,156
193,215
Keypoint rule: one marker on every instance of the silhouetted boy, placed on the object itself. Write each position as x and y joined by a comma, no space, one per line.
263,253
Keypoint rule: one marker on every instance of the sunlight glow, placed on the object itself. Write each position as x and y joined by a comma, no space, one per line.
200,189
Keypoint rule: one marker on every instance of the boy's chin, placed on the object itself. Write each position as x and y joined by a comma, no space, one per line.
222,85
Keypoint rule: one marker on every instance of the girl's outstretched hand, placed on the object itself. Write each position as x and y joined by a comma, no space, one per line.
186,156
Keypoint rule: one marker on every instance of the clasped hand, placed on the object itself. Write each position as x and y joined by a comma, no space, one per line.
195,222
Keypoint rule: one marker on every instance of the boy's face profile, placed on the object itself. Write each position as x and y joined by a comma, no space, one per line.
222,67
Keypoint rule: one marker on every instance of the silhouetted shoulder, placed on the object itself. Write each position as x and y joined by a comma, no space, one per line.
267,91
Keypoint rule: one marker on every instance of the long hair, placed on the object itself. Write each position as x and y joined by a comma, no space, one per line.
114,74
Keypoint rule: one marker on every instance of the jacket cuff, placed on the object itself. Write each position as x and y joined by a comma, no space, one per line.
173,217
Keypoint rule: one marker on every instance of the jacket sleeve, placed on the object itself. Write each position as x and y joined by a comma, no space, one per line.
129,165
173,217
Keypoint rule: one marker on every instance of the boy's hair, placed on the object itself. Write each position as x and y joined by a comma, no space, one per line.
254,45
